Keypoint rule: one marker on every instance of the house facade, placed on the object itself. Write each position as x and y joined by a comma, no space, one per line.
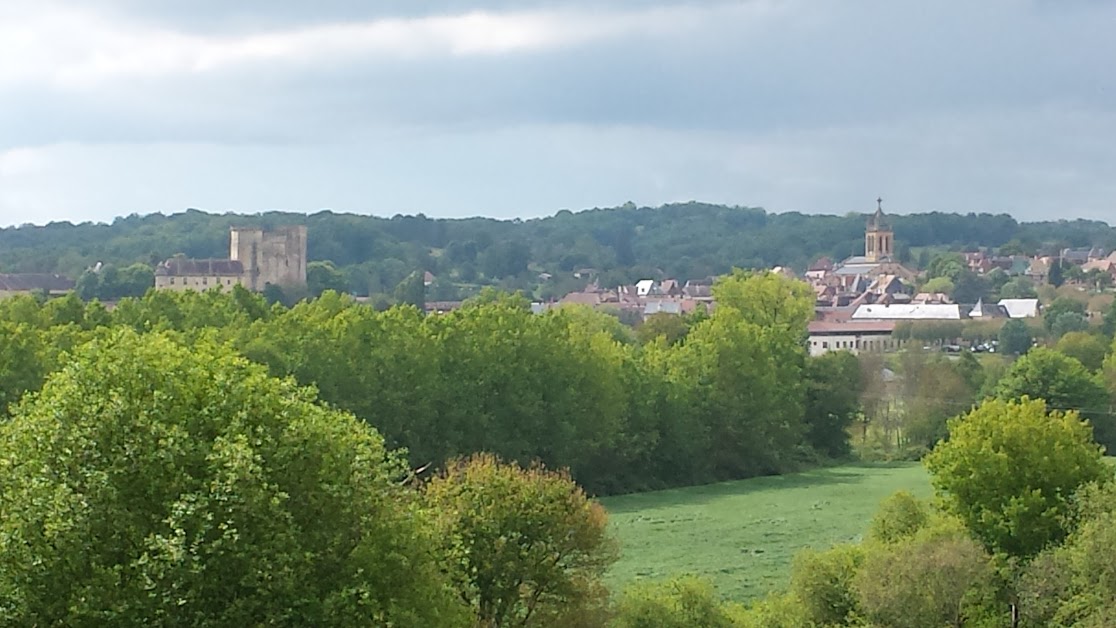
853,336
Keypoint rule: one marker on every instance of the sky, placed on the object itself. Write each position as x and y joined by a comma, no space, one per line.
508,109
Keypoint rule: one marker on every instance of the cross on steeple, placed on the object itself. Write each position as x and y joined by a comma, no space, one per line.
879,203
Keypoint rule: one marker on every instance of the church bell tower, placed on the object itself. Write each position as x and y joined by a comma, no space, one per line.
878,236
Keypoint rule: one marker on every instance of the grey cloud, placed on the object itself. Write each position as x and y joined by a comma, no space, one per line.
862,63
998,105
225,16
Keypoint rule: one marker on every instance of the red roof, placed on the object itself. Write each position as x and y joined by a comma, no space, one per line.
851,327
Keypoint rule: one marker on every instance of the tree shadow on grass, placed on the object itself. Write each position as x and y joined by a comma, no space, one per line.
703,494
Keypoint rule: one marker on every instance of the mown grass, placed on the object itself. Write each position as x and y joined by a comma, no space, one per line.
742,535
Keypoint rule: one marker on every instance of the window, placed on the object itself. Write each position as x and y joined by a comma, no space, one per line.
825,345
172,281
205,281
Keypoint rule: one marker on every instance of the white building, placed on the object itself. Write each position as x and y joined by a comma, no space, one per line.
853,336
644,287
1020,308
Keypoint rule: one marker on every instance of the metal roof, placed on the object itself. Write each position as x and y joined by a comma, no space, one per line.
908,311
1020,308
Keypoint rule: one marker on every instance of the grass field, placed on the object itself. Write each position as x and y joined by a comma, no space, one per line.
742,535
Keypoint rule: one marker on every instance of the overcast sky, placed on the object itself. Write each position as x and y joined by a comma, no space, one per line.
504,109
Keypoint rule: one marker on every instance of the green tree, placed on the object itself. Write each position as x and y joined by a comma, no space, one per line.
322,276
824,583
969,287
1018,288
1098,279
832,401
1074,584
151,484
1065,384
88,285
1108,326
1015,337
22,357
1073,273
1055,276
1009,470
767,299
412,291
1089,349
744,382
899,517
939,284
672,327
948,265
682,602
1066,322
929,581
505,259
934,389
1059,306
526,546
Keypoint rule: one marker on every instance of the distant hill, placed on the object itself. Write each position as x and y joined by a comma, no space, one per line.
619,245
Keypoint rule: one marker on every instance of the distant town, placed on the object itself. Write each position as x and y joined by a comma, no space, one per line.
860,301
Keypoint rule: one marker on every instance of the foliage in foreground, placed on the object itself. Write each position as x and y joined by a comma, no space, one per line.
148,483
1026,521
525,547
679,603
1009,471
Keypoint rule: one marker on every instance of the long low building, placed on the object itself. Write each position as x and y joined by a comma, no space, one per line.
853,336
908,312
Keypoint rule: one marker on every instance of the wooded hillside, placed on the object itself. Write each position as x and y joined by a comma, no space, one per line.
370,255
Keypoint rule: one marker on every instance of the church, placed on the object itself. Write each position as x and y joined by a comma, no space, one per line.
879,251
875,276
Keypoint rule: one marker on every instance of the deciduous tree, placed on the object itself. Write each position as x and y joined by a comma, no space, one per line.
832,401
929,581
1015,337
525,546
683,602
1009,469
1065,384
151,484
1088,349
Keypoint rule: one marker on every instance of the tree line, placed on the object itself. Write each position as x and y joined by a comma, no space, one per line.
367,255
731,395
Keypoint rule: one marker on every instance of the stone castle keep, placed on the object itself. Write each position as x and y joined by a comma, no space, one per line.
257,258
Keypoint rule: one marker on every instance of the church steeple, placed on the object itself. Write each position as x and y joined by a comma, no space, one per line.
878,236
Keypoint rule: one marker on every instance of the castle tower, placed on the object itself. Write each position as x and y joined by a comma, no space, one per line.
275,257
878,236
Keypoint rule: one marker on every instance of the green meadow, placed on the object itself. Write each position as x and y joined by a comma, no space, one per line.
742,535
